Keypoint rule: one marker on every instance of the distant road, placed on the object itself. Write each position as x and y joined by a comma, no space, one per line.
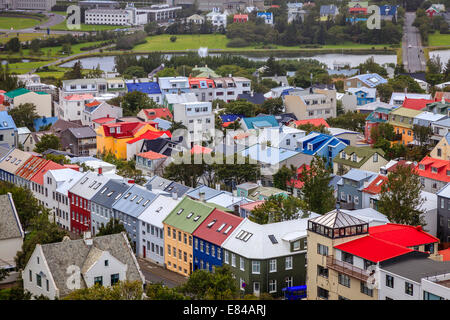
413,56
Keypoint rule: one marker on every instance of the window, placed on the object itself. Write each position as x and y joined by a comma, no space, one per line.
106,263
226,257
322,250
241,264
272,286
347,257
389,281
288,263
344,280
375,157
98,280
296,245
366,290
38,280
233,260
31,276
322,271
46,284
322,293
430,296
409,288
289,281
439,152
114,278
273,265
256,267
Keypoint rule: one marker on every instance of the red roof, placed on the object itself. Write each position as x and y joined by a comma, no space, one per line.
445,254
93,103
150,135
211,234
251,205
103,120
400,163
241,16
442,167
72,166
77,97
127,129
404,235
152,114
416,104
151,155
296,183
439,95
196,81
375,186
226,124
199,149
31,167
315,122
39,176
373,249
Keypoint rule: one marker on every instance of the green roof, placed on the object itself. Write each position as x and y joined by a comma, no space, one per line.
362,152
406,112
41,92
264,191
16,93
181,221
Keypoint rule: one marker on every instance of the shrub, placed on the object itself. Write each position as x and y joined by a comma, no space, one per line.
173,38
237,43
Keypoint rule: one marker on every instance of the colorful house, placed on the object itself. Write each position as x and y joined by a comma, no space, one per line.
402,121
209,237
364,158
322,145
151,89
267,16
152,114
434,173
113,137
363,95
240,18
358,7
315,122
442,149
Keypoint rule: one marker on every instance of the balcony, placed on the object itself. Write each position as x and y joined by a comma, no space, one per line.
346,268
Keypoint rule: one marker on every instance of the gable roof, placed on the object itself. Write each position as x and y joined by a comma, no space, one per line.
110,193
209,192
375,186
91,183
370,79
151,135
199,210
416,104
10,226
365,153
268,155
152,114
17,92
49,165
442,167
14,160
217,227
134,201
158,210
82,132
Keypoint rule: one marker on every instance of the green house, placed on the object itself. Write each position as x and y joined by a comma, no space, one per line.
267,258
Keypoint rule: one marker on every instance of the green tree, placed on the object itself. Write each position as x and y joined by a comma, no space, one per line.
8,81
24,115
385,92
278,208
309,127
66,49
13,45
422,134
75,72
400,197
349,120
134,71
35,46
382,131
283,175
188,173
48,141
112,227
123,290
158,291
272,106
133,102
316,192
240,170
243,107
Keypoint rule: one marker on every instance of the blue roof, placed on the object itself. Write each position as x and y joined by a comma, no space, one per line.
231,117
318,140
209,192
271,121
371,79
387,10
163,124
41,122
269,155
145,87
6,121
259,14
134,201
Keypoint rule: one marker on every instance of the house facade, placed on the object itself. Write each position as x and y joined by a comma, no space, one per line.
364,158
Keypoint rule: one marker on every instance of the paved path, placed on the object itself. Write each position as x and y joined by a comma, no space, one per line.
155,273
412,50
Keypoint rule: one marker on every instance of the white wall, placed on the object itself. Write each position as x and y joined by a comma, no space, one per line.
398,291
100,270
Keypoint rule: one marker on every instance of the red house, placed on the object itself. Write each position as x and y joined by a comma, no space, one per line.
240,18
434,173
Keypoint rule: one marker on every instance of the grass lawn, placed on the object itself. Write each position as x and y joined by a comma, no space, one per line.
25,36
437,39
24,67
17,23
219,41
54,50
85,27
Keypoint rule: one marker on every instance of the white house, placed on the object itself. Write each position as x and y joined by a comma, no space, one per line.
98,111
217,19
71,107
56,269
282,137
198,117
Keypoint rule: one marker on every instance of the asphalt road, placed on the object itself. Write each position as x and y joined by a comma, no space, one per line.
413,57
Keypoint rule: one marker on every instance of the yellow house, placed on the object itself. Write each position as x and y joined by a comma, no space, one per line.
113,137
402,121
442,149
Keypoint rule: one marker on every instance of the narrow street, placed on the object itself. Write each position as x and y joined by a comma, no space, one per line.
155,273
412,50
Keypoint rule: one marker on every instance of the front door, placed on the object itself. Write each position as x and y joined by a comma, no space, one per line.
145,252
256,289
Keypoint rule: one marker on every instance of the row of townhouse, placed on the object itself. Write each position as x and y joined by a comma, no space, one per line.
350,260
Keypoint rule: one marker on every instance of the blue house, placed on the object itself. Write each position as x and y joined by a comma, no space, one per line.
209,236
322,145
150,88
388,12
267,16
8,130
231,117
363,95
42,122
349,193
259,122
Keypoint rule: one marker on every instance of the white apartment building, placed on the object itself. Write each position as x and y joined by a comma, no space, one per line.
162,12
71,107
58,182
45,5
94,87
198,117
217,19
130,16
229,88
102,110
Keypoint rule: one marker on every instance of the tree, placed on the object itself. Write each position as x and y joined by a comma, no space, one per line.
95,73
123,290
273,67
422,134
135,71
133,102
350,121
400,197
112,227
158,291
272,106
277,208
309,127
316,191
24,115
48,141
35,46
188,173
173,38
66,49
239,171
385,92
283,175
243,107
204,285
75,72
13,45
8,82
382,131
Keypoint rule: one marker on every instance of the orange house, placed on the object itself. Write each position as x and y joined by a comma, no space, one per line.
113,137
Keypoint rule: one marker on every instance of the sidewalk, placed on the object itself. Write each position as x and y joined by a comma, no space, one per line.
156,273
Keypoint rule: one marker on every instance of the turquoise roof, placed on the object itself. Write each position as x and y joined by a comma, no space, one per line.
262,121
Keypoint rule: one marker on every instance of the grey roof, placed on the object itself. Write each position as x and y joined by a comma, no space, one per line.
328,9
158,182
416,268
134,201
443,123
209,192
60,255
4,150
91,183
337,219
179,188
358,175
10,226
83,132
105,198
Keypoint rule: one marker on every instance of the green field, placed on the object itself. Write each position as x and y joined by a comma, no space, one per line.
24,67
85,27
17,23
437,40
54,51
24,36
219,42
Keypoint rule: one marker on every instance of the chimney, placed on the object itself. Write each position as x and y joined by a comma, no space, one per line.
206,66
174,196
230,75
258,182
87,237
218,186
100,171
251,93
130,181
405,90
201,196
236,209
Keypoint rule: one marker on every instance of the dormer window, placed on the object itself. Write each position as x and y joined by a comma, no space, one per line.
421,167
355,158
343,155
434,170
310,146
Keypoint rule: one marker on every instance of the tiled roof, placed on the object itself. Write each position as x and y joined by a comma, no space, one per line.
416,104
315,122
39,176
151,155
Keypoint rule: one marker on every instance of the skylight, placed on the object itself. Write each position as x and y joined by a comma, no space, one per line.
7,159
197,217
103,191
118,196
145,203
379,182
273,239
133,197
227,230
211,223
140,199
110,193
247,236
84,180
180,211
92,184
221,227
240,234
98,185
190,215
127,195
373,79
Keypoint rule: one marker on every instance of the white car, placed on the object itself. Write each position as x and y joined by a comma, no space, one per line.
410,46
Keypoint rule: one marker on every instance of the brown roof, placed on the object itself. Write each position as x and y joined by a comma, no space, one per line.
61,125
